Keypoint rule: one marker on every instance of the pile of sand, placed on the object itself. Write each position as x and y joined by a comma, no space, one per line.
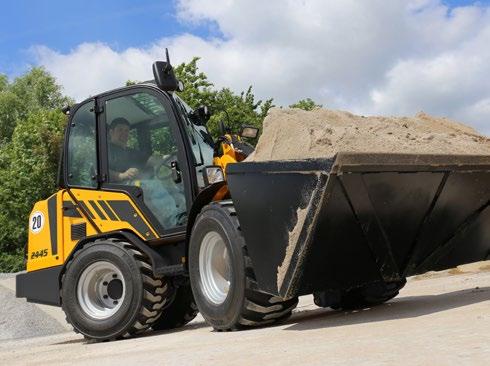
298,134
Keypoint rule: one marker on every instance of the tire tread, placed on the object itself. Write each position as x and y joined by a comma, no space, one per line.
259,308
155,291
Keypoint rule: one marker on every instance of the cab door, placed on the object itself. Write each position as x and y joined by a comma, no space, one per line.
80,175
142,154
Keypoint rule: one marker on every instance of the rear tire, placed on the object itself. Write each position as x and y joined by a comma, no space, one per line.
179,312
109,291
222,277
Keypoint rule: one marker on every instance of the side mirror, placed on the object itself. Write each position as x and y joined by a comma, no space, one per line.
180,86
200,115
249,132
164,75
66,110
203,112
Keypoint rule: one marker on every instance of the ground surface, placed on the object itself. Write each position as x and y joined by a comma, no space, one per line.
438,319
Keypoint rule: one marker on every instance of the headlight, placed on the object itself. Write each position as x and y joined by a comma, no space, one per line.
213,174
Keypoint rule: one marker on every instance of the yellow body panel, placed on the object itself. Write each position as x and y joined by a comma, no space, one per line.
86,195
109,211
223,161
228,156
39,250
68,242
55,231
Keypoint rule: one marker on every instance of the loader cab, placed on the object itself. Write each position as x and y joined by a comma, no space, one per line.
141,141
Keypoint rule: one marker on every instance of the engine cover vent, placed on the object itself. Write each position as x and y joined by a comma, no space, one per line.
78,231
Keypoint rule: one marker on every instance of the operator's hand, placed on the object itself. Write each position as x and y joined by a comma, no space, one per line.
129,174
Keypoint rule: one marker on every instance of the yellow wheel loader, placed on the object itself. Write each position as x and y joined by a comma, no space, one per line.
154,221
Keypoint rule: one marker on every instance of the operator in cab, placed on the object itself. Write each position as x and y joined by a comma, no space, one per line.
129,166
125,162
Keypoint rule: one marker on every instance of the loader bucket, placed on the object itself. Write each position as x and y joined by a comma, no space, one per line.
332,224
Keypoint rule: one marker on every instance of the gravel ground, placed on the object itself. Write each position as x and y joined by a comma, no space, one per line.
21,319
8,275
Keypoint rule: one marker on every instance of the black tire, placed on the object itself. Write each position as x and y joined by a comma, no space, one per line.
369,295
244,306
144,296
181,310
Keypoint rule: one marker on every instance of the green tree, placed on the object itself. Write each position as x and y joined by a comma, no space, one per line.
4,81
237,110
10,111
225,106
28,172
37,89
307,104
198,90
31,131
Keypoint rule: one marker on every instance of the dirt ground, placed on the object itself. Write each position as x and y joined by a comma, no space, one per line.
439,318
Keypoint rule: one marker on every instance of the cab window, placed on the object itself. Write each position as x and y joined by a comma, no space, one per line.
141,151
82,156
200,140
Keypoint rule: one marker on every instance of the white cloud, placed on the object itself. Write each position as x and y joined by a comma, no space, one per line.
376,56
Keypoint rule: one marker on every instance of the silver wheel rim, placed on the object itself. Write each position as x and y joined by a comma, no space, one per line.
101,290
214,268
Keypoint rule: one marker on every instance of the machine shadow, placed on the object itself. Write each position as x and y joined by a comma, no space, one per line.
72,341
399,308
151,333
187,327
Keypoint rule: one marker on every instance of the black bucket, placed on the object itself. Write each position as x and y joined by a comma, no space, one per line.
329,224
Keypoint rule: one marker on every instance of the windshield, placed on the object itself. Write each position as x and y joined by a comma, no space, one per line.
199,139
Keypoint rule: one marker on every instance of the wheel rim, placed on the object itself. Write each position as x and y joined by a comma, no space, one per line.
101,290
214,268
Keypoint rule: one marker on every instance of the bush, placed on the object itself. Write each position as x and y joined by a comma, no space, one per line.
12,262
31,131
28,169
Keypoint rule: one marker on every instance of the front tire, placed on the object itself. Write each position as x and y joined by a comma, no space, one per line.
109,291
222,277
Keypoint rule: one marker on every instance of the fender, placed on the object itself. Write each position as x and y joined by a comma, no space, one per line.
202,199
161,266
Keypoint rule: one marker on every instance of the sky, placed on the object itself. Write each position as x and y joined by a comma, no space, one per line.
394,57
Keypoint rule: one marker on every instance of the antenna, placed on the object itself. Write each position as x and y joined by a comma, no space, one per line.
167,66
